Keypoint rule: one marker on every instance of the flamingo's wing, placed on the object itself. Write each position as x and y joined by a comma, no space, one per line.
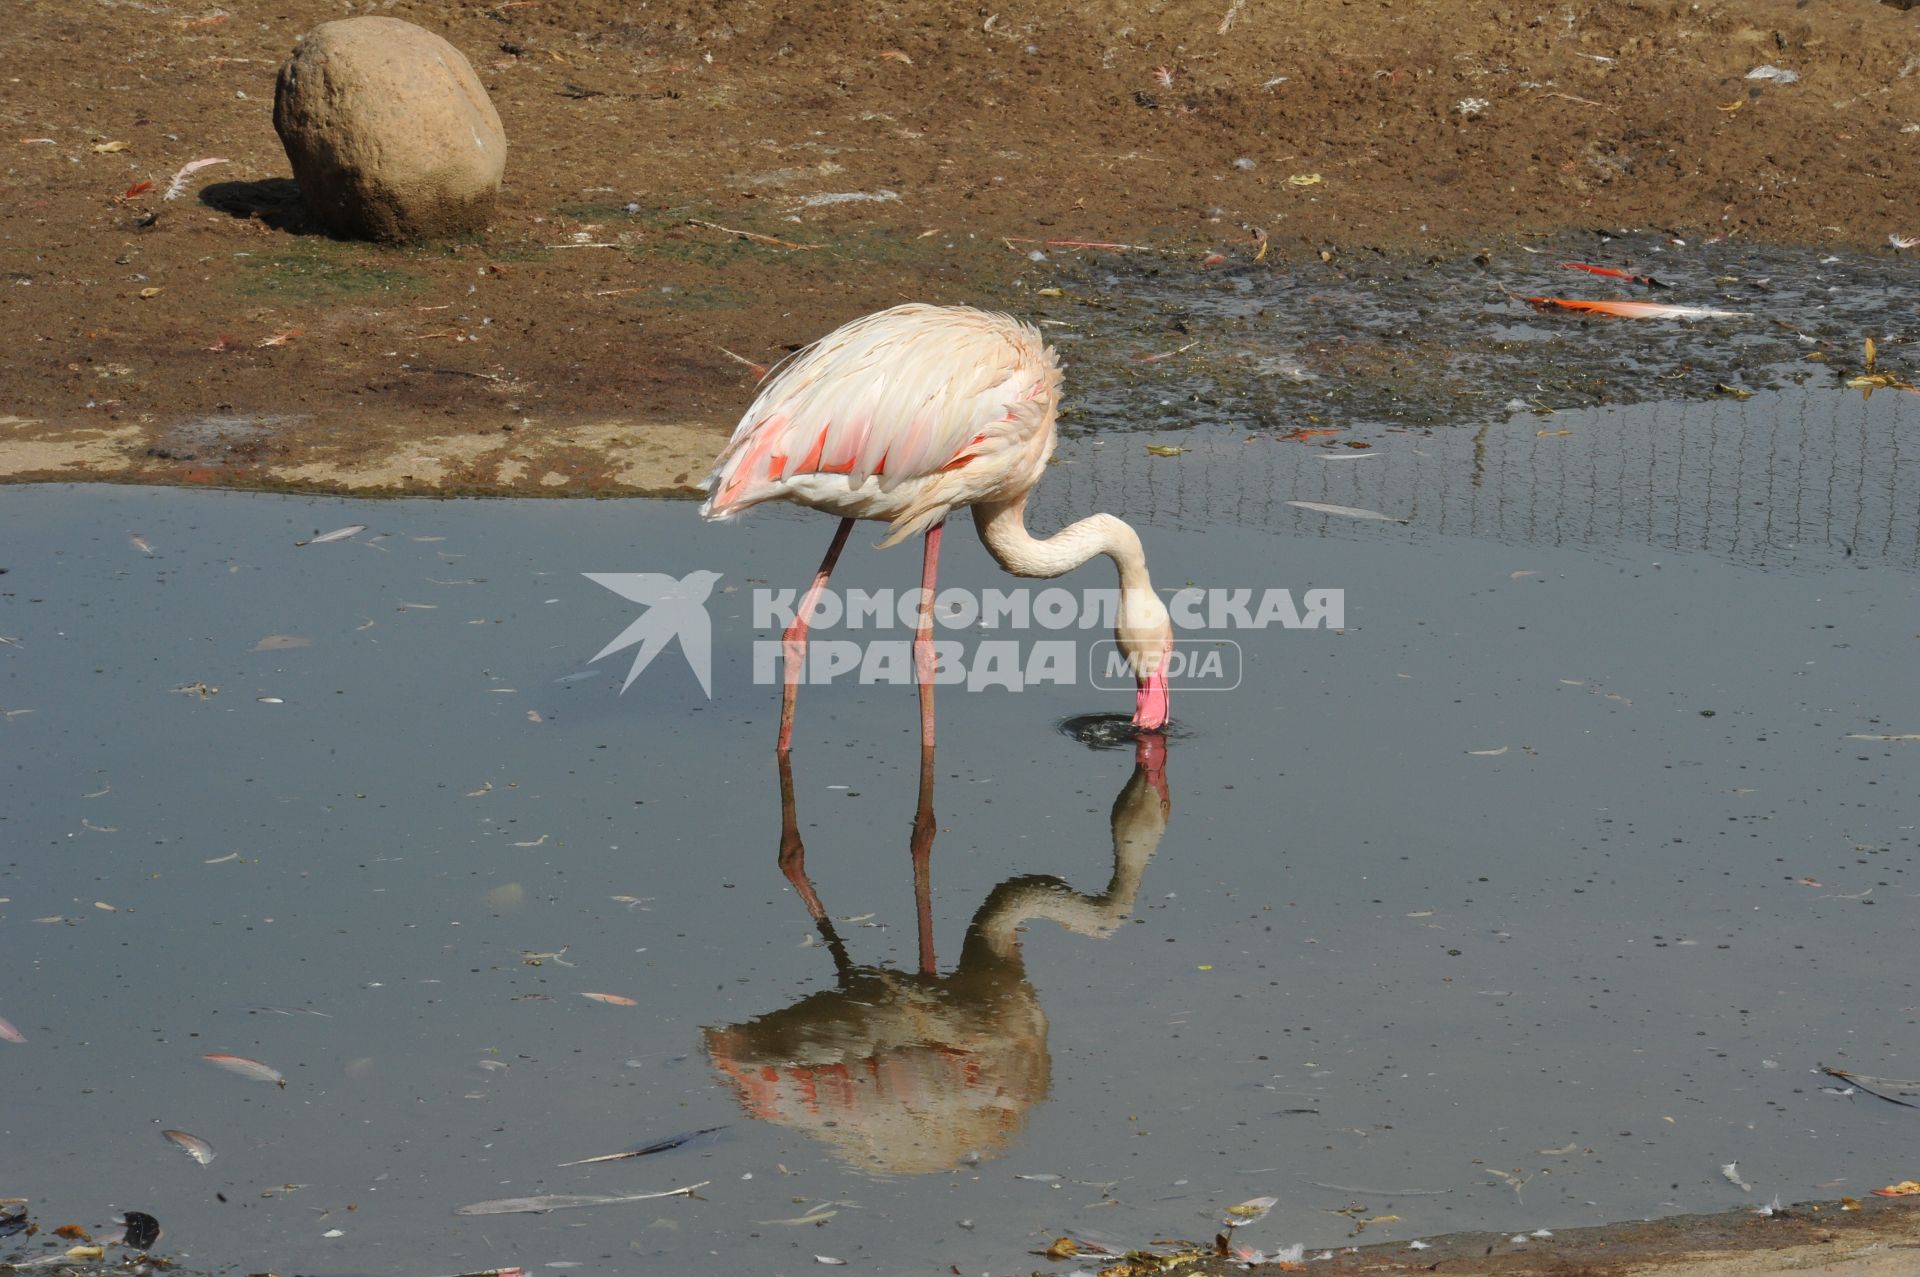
900,395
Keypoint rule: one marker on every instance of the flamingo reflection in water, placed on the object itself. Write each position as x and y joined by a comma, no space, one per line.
909,1073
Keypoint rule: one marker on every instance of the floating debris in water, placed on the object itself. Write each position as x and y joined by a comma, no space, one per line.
142,1230
1247,1212
252,1070
192,1145
338,534
817,1216
568,1201
1732,1171
611,999
658,1146
1344,511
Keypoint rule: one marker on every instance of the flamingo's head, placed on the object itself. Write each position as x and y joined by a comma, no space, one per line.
1145,635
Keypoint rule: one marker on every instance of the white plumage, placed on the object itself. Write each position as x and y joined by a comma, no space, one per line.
903,416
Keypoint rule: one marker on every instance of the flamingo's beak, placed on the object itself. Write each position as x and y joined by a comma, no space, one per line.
1150,711
1150,756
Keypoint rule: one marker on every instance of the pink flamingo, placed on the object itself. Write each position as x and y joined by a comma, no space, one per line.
904,416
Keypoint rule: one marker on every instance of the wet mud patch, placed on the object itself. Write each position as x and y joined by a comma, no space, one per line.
224,440
1364,342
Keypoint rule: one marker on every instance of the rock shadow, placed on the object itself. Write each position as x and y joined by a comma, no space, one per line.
274,202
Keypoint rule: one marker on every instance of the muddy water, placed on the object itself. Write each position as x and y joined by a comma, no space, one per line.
1530,898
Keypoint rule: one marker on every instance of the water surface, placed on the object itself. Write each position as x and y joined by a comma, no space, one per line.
1564,860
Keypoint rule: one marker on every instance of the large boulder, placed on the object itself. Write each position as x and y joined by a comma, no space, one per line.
390,133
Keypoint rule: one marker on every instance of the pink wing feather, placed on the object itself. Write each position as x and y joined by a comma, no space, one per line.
903,395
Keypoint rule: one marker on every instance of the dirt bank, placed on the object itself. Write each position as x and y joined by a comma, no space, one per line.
601,334
1871,1238
1879,1239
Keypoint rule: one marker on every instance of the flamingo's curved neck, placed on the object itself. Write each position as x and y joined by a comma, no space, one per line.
1003,528
1139,821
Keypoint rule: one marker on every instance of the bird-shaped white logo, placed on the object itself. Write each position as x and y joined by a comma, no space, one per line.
674,607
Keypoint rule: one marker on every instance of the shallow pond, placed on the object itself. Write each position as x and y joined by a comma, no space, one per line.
1530,897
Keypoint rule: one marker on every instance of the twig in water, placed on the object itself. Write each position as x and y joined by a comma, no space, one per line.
1853,1079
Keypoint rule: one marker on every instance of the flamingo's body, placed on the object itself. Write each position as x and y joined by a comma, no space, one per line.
905,416
914,1072
901,416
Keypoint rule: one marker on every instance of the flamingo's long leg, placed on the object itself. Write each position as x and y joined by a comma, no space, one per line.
924,827
793,863
923,639
794,641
